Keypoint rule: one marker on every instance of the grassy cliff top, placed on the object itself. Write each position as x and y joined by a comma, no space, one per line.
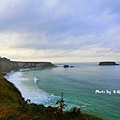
14,107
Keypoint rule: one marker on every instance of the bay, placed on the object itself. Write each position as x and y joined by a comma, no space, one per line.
93,88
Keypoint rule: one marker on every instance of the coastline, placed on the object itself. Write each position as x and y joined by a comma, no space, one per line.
18,108
6,65
28,92
102,70
16,76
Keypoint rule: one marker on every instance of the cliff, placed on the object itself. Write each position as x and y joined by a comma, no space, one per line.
6,65
108,63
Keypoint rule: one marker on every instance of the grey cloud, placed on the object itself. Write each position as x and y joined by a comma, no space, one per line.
53,17
61,24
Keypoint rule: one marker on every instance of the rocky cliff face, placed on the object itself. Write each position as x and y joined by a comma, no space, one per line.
6,65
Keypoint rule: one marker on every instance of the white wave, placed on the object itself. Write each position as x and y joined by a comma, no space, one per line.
35,79
28,92
22,70
32,92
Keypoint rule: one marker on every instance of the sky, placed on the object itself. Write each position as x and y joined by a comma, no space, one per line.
60,30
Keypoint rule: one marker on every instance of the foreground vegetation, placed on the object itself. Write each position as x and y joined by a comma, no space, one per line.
14,107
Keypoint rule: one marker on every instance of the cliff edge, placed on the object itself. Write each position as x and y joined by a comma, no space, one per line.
6,65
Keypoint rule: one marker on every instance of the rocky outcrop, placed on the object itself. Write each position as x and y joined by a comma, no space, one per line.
108,63
6,65
66,66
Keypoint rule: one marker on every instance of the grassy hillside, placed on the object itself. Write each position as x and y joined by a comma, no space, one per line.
14,107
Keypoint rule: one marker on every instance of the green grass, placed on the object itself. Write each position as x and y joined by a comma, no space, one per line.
14,107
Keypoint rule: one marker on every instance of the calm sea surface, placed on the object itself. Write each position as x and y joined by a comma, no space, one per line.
93,88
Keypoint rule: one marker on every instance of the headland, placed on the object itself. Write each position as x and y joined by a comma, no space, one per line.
6,65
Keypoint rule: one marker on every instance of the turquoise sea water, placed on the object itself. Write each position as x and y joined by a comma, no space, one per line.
94,88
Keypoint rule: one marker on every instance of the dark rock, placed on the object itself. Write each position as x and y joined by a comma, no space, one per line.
108,63
71,66
66,66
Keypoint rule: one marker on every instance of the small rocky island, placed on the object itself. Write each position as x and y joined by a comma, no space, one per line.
67,66
108,63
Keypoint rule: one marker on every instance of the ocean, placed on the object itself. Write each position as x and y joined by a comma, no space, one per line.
93,88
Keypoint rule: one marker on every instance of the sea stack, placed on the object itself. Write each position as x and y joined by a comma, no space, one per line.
108,63
66,66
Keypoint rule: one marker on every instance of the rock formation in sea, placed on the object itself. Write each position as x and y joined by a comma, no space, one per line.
66,66
108,63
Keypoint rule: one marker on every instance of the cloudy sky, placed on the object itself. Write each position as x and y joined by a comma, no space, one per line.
60,30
